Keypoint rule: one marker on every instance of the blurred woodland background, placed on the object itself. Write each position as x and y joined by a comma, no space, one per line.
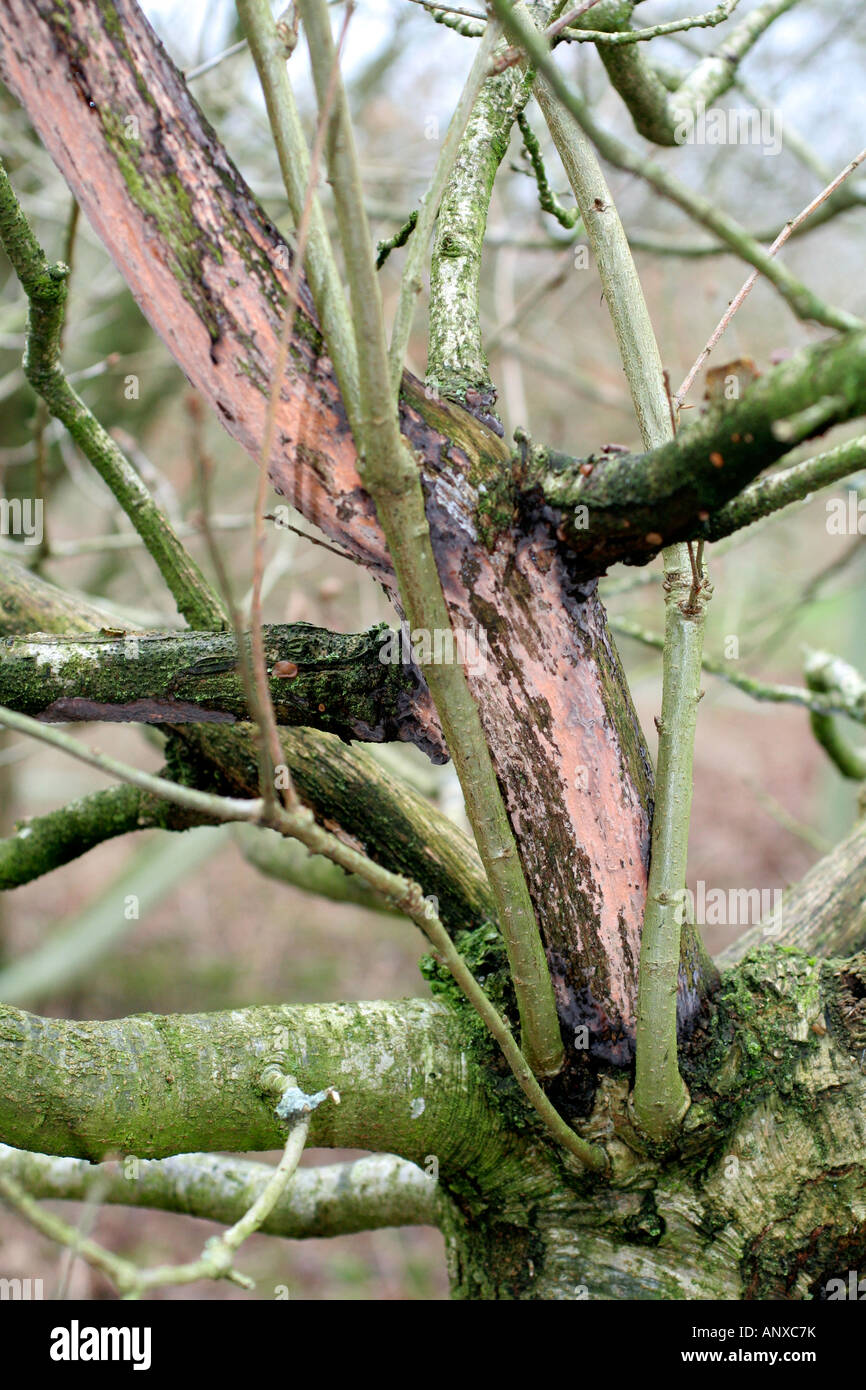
214,932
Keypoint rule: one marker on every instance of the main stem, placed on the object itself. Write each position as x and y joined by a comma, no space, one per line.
660,1095
391,476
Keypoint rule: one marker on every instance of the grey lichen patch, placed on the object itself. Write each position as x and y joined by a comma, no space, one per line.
456,360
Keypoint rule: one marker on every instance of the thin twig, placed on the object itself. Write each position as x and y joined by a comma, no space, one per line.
266,718
616,38
559,24
787,231
210,63
216,1259
454,9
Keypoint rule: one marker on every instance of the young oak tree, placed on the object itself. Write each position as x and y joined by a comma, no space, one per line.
612,1114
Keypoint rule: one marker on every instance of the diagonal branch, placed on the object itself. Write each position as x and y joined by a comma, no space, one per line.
657,113
626,506
803,301
45,287
391,476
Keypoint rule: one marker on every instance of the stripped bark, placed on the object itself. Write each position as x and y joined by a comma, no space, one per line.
563,735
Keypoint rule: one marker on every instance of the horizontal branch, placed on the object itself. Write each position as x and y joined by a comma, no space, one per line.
154,1086
821,701
346,684
29,603
344,786
789,485
628,506
334,1199
47,842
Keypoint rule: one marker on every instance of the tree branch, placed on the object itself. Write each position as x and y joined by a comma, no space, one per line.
835,677
214,285
47,842
345,684
203,1088
782,489
344,787
456,359
392,478
655,112
660,1095
45,287
636,503
270,56
334,1199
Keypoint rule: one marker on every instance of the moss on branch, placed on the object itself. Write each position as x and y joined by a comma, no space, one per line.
628,506
343,683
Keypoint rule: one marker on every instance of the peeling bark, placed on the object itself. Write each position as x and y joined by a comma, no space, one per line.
210,272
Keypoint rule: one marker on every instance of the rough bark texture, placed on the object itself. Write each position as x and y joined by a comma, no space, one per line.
763,1199
564,738
342,683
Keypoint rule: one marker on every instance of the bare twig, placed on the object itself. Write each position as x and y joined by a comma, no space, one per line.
786,232
266,718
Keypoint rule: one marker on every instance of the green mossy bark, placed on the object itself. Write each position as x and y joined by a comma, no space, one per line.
332,681
628,506
762,1198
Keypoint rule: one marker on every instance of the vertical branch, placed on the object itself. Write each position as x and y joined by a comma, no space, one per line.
660,1095
456,360
271,750
412,283
269,55
390,474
